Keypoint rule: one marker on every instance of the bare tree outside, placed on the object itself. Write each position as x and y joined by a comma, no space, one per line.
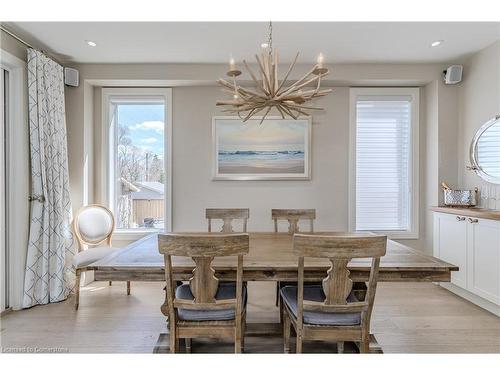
136,165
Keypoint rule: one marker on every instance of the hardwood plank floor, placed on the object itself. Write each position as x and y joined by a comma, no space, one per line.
407,318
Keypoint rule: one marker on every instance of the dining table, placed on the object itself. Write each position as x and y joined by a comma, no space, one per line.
271,258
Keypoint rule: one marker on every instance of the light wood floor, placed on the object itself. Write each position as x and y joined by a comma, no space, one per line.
408,318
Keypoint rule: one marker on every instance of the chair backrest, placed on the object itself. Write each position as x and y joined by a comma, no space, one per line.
92,225
227,215
339,249
293,216
203,248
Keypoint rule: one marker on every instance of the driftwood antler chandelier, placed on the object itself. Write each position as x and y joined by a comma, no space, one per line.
270,91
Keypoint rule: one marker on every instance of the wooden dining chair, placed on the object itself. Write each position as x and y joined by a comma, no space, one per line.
93,227
227,215
205,307
331,311
293,216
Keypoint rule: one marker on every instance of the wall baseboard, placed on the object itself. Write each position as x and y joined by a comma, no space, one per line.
5,312
476,300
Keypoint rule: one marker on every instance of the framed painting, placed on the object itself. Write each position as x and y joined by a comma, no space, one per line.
277,149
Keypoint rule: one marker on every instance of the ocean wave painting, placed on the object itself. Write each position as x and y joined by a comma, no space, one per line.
276,149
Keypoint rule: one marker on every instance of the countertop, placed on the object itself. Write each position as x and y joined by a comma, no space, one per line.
474,212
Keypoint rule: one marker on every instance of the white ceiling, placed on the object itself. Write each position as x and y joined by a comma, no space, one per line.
214,42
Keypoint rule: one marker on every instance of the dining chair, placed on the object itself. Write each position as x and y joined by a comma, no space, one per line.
227,215
205,307
93,227
293,216
330,311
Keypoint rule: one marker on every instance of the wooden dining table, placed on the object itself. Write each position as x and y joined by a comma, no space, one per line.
270,258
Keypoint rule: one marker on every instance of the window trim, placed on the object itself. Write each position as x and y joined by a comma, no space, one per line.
139,93
414,92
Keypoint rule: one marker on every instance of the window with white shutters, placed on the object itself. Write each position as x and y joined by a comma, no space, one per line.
384,160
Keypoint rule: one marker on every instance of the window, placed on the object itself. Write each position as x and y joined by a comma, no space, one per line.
384,161
138,138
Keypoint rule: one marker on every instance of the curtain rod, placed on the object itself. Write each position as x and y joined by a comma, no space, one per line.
28,44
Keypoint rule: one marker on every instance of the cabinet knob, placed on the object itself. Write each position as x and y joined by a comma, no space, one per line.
471,220
460,218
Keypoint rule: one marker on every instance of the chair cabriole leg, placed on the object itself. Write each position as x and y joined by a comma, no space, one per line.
77,288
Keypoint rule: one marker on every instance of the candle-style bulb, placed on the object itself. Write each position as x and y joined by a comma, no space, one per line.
321,60
232,64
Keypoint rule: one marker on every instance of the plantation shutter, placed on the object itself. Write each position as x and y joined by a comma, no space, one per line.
488,150
383,162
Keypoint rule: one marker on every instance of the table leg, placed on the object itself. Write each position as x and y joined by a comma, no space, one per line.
375,347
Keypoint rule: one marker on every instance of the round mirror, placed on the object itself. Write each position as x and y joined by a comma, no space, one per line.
485,151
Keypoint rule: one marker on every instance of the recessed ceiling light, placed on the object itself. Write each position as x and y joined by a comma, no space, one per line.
437,43
91,43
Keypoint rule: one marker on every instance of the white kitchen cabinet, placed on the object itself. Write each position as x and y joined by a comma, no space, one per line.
473,244
483,258
450,244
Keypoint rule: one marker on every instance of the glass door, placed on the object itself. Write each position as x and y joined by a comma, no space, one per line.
4,256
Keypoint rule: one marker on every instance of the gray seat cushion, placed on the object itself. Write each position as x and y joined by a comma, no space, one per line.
225,291
315,293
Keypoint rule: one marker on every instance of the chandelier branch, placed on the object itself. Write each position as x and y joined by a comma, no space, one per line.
271,92
288,72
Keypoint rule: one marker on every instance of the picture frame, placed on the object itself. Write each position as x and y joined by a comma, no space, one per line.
277,149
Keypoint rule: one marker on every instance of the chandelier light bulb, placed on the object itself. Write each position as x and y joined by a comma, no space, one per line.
264,45
321,60
232,64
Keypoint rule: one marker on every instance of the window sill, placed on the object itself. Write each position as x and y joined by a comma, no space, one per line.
395,235
133,235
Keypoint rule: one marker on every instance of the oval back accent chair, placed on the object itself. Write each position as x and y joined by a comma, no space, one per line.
93,226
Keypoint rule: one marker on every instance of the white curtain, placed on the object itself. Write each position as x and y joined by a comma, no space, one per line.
49,275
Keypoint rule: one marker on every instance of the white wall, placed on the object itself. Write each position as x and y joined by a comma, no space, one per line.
430,154
194,189
479,101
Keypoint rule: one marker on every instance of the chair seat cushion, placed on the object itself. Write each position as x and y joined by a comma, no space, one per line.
315,293
225,291
86,257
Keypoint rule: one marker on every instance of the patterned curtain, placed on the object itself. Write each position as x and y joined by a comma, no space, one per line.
49,275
